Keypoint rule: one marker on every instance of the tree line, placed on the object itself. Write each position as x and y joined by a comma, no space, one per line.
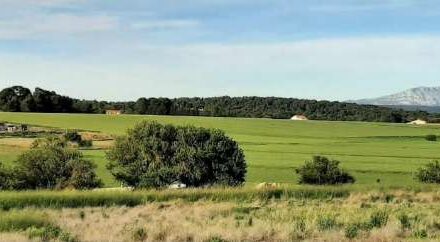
21,99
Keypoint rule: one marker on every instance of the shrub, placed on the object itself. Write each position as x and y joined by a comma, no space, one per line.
5,177
72,136
85,143
155,155
431,137
430,173
49,165
321,171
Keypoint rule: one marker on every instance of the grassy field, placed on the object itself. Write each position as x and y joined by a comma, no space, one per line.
395,209
273,148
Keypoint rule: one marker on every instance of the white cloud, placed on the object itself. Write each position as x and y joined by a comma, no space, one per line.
328,68
358,6
34,26
41,3
165,24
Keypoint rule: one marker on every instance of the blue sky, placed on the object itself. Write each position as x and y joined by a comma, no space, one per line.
121,50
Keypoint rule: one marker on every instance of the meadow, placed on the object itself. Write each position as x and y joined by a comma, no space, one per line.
385,203
375,153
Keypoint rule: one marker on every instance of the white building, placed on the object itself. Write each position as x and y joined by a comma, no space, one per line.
418,122
299,118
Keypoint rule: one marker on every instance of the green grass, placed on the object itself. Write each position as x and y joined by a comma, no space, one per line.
76,199
20,221
273,148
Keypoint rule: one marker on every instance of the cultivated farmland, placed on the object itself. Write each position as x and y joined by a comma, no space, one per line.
385,204
375,153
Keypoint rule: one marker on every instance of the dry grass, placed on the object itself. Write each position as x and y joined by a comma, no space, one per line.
374,215
292,220
17,142
14,237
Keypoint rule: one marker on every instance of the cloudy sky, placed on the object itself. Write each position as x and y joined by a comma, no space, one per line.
121,50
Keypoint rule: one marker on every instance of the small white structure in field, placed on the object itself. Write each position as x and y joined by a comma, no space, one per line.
177,185
299,118
418,122
266,185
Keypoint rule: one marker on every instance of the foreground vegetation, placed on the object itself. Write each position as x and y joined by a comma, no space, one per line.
282,214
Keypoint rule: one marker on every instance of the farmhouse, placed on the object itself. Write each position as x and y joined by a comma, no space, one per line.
113,112
418,122
299,118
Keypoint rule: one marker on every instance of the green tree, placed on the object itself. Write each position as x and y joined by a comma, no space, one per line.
12,98
156,155
322,171
141,106
50,165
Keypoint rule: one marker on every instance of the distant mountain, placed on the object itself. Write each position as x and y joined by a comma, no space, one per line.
420,96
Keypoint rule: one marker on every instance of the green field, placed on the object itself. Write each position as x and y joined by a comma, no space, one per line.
273,148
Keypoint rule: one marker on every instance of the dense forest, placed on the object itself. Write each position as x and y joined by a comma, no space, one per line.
21,99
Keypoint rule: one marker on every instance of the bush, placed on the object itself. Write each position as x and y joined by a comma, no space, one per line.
85,143
50,165
431,137
155,155
321,171
72,136
5,178
430,173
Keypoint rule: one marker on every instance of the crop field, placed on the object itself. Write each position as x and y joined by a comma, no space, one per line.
375,153
385,204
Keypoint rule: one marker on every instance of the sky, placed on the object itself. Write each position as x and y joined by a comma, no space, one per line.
315,49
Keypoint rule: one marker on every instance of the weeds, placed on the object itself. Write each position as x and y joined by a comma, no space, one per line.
378,219
352,231
405,222
326,222
140,234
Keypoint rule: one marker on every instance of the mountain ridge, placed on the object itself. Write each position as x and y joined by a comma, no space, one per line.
418,96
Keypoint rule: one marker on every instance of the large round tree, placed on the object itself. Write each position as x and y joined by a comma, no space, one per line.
156,155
